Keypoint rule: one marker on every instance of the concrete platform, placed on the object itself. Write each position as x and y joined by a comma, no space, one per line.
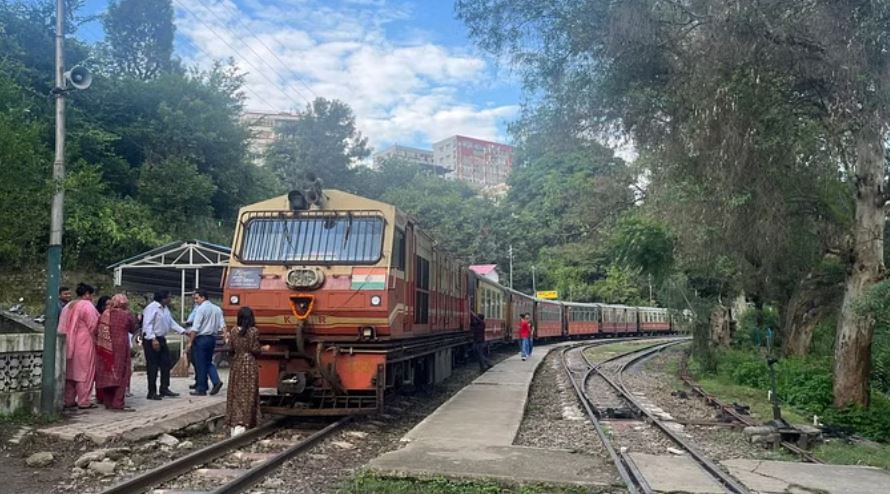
150,419
471,436
675,474
769,477
509,464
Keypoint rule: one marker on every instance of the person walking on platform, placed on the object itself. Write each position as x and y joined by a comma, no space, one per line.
208,322
477,326
243,398
78,322
156,323
525,336
116,324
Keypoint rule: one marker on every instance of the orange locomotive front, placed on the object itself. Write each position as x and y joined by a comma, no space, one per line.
350,299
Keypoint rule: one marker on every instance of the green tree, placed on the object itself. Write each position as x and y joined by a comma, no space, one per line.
175,191
618,287
709,86
140,37
324,140
644,244
562,194
24,189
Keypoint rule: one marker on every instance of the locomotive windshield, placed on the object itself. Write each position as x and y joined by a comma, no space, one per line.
342,239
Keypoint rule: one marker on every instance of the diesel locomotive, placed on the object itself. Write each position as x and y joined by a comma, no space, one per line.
352,298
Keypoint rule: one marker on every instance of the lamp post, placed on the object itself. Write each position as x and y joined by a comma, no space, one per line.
534,283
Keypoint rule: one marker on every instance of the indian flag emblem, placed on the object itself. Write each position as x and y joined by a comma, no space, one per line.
368,278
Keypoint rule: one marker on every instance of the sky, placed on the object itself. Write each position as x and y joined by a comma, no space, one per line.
407,68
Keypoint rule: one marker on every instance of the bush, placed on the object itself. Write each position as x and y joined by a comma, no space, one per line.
749,334
806,385
753,374
872,422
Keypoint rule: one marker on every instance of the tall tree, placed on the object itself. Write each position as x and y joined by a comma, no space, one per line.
678,77
324,140
140,37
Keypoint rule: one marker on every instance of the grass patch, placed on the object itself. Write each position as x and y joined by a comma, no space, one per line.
761,408
855,453
805,389
602,352
366,483
24,417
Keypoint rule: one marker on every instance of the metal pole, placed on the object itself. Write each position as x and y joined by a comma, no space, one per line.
511,267
650,289
534,283
182,317
182,297
54,252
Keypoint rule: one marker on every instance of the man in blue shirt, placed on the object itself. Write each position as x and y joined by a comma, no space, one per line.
208,322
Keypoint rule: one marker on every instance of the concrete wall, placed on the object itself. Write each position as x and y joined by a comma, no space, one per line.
15,323
21,367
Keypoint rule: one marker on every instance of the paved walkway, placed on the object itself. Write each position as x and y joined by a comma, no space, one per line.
780,477
151,418
471,436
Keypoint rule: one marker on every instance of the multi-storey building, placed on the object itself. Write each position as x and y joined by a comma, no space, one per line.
264,128
420,157
474,161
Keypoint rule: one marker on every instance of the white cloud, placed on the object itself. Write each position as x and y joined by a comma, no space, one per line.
408,92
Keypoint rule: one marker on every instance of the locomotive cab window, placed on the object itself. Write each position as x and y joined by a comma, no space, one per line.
329,239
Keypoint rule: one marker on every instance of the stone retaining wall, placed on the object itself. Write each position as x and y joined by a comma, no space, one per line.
21,368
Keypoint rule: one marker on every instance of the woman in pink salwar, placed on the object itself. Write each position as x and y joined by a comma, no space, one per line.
116,324
79,322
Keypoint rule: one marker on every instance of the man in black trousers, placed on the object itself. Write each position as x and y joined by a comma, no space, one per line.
156,323
477,326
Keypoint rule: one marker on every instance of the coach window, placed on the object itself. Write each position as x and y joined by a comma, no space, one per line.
422,300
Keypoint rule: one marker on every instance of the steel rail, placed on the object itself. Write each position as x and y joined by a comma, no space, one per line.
175,468
256,474
712,400
623,470
728,482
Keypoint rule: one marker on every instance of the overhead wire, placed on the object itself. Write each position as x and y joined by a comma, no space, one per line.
239,54
98,36
236,15
259,56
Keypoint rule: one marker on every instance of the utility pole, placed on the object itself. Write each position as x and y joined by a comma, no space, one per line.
534,283
650,289
511,266
54,253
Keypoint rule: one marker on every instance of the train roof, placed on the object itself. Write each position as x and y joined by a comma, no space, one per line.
335,200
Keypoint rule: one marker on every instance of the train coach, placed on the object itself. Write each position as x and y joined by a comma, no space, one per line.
352,298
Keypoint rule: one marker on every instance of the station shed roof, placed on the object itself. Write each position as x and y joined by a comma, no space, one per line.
181,266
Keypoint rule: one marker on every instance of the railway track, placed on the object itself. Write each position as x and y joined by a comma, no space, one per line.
585,375
732,412
177,471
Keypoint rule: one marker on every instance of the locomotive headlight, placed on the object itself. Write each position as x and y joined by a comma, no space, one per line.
234,300
304,278
376,301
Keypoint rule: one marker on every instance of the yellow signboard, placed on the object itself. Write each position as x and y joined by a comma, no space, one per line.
549,294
